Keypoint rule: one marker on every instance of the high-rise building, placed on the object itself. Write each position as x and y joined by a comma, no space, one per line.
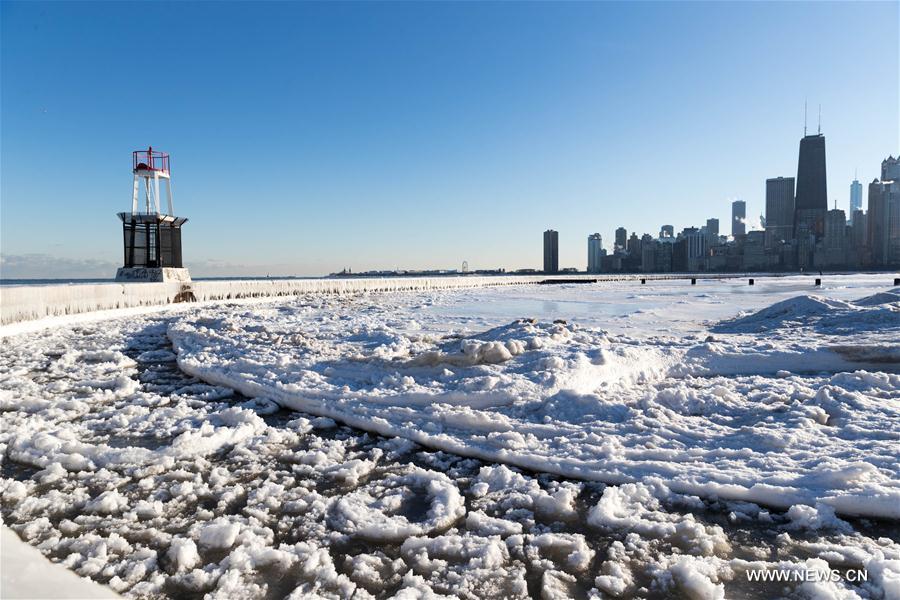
754,251
634,244
667,231
858,223
883,227
811,202
712,232
855,197
633,257
680,254
663,258
779,210
696,248
890,169
656,256
621,238
806,244
834,250
835,229
738,218
595,253
551,251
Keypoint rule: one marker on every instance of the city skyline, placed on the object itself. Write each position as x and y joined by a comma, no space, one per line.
317,153
799,232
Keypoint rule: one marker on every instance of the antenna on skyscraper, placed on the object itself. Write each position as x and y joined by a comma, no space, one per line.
820,119
804,118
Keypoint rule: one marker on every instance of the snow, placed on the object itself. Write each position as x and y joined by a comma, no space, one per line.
815,517
636,508
28,302
769,408
374,511
696,579
26,574
219,535
183,554
594,440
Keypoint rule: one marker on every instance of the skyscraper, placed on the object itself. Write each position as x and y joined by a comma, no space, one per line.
621,238
855,197
858,226
667,231
551,251
738,218
634,244
890,169
811,202
836,230
779,210
696,248
883,227
595,253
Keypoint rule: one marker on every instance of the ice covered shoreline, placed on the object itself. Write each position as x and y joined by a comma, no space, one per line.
23,302
554,398
128,470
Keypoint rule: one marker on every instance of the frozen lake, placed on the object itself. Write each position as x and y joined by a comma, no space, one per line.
628,305
616,439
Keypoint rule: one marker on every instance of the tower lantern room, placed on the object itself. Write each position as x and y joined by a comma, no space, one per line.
151,231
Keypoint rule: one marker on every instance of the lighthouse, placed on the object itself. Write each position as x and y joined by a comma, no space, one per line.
152,238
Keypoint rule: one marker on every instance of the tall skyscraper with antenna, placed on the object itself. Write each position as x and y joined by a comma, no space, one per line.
811,202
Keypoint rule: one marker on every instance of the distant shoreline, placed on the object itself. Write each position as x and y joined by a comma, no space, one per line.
404,274
78,281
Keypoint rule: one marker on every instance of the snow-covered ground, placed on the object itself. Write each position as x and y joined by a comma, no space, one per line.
611,440
26,575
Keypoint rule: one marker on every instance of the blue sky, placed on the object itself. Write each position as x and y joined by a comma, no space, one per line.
310,137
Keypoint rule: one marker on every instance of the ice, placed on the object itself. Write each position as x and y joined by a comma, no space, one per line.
815,517
696,579
183,554
616,578
28,302
741,414
375,511
876,312
570,549
635,508
27,575
219,535
625,447
107,503
478,521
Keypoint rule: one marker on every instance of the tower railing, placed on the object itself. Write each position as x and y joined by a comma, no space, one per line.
150,160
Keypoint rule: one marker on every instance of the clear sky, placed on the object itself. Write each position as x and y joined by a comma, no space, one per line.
310,137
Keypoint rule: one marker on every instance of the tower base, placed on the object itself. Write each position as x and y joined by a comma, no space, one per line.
152,274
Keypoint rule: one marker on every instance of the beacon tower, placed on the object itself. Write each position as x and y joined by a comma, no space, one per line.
152,238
